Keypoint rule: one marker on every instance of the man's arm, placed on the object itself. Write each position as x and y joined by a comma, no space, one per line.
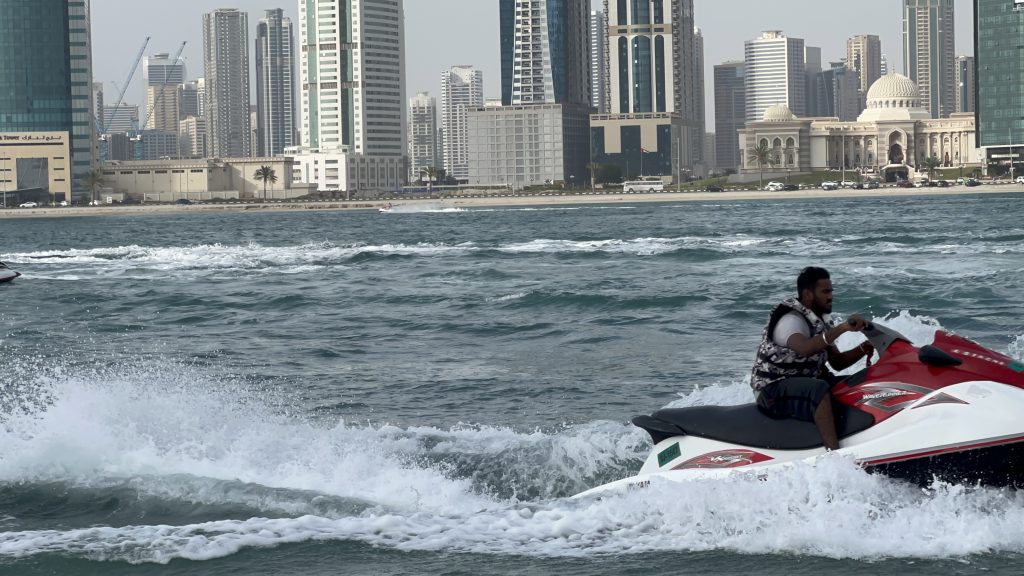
842,360
805,346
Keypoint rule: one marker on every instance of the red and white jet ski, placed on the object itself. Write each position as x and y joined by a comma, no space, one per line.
951,410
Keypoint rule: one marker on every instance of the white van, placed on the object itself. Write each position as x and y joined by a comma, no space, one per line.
642,186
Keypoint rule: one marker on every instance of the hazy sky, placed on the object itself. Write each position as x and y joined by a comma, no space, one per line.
441,33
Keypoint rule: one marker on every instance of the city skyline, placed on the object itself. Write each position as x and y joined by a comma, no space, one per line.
478,45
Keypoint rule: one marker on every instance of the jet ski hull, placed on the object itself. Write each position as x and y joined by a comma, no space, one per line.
966,433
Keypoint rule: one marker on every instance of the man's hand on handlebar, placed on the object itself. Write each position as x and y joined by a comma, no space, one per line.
857,323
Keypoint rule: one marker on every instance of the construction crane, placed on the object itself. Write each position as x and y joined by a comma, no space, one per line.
120,96
137,137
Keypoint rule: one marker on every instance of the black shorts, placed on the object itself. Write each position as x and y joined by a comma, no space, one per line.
795,397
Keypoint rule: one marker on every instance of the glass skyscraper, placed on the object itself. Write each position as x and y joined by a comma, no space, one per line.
46,72
999,73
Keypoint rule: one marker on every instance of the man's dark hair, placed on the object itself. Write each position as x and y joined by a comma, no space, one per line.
808,279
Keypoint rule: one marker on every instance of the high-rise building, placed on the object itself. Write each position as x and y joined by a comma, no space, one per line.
654,126
775,74
123,119
226,68
545,52
884,67
999,77
275,84
352,65
422,135
599,61
965,83
539,135
730,113
164,79
46,72
190,100
201,96
353,104
929,41
864,56
192,134
696,96
462,88
814,100
839,88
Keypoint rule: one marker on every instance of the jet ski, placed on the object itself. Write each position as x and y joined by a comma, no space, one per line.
951,410
6,274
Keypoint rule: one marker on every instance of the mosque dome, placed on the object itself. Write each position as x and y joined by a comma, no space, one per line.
893,97
893,91
778,113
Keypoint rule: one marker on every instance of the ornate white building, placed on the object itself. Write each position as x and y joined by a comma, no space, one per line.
890,139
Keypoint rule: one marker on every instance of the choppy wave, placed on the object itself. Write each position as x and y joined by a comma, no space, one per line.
184,437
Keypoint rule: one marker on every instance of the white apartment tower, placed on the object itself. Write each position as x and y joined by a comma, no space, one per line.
275,84
929,57
422,135
599,61
462,88
352,69
226,63
545,52
775,74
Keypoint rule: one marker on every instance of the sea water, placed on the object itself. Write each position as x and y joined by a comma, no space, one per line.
423,392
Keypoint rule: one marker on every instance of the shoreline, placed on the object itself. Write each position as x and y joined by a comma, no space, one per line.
492,201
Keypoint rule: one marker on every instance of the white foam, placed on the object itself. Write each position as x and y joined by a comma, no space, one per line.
831,509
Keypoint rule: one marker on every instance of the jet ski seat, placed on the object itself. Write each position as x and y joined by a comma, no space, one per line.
748,426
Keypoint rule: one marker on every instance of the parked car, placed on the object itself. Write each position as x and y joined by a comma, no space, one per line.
790,187
847,184
829,185
774,186
960,181
182,201
714,188
904,184
28,205
1019,180
942,183
972,182
872,184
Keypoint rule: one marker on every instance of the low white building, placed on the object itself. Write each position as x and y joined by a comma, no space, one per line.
891,139
206,179
340,171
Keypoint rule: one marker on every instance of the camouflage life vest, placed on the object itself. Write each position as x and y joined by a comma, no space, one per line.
776,362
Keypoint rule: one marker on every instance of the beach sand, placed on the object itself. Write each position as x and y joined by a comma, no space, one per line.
550,199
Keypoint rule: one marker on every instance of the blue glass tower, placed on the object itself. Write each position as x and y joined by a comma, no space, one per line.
46,73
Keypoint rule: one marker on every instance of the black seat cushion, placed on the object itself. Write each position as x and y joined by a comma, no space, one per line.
748,426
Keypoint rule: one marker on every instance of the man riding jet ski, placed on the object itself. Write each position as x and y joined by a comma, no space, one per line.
949,410
6,274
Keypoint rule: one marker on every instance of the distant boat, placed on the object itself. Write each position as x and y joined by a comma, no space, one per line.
386,209
6,274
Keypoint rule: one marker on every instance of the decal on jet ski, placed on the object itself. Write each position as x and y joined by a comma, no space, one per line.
1017,367
724,459
940,398
995,361
669,454
891,396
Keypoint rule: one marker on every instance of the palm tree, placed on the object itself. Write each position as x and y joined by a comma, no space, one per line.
431,173
594,168
266,174
93,181
930,164
762,154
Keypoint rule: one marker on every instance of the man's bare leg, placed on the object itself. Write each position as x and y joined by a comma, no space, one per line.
826,423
